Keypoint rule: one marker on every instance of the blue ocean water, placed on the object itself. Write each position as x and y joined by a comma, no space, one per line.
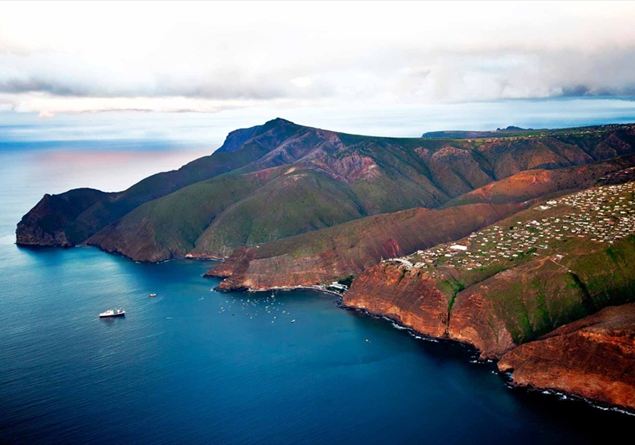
196,366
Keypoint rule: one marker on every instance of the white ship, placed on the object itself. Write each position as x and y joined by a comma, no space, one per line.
112,313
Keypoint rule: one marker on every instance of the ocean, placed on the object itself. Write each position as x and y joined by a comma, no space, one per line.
197,366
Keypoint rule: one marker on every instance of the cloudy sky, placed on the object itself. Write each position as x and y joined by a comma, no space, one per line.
316,60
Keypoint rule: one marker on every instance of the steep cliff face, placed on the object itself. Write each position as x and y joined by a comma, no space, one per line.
420,301
50,222
593,358
474,320
406,296
521,303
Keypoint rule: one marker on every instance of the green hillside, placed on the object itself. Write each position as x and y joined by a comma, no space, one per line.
546,266
281,179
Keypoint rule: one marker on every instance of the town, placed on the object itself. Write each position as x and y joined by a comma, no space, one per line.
602,214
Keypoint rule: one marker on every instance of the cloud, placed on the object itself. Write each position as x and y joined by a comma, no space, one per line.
206,57
46,114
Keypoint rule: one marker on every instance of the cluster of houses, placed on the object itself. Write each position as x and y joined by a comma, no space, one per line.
600,214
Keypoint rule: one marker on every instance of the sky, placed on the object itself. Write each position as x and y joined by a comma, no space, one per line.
198,70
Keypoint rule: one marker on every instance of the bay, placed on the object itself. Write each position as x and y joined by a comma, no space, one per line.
197,366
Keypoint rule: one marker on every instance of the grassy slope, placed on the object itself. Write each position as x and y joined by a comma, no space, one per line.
332,188
336,252
546,295
348,248
171,226
105,209
538,290
291,203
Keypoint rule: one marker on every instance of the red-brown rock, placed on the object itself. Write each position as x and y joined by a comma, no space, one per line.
593,358
474,321
406,296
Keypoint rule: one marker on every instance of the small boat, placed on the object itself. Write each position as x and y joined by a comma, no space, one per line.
152,295
112,313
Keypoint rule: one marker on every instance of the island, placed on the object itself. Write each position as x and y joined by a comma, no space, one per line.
517,242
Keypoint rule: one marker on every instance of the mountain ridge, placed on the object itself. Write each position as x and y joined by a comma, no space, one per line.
282,168
288,205
335,252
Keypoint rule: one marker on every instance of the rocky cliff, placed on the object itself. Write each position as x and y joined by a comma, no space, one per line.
52,221
504,288
592,358
409,297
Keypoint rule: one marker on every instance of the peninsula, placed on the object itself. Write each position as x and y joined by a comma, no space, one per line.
518,242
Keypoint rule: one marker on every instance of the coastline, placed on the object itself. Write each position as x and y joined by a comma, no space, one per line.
317,288
472,353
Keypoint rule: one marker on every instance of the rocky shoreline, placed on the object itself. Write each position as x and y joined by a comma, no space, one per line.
500,362
501,366
483,247
473,355
603,391
504,366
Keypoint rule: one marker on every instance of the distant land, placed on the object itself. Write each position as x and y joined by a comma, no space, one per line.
518,242
471,134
